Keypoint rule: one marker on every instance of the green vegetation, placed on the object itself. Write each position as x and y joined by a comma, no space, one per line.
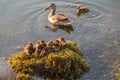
68,63
118,76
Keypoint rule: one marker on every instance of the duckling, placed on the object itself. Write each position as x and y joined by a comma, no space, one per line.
50,45
45,50
82,10
62,41
42,43
57,19
29,49
56,46
39,46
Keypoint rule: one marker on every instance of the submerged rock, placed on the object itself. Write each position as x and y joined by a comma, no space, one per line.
6,72
66,64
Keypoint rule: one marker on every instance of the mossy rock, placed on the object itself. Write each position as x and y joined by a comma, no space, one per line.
118,76
68,63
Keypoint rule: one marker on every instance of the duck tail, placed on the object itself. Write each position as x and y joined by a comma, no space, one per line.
65,23
69,24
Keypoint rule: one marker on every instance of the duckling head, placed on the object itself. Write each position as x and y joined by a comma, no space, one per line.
51,6
41,42
78,9
30,44
50,44
62,41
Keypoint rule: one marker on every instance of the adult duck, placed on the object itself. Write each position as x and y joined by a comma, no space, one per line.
57,19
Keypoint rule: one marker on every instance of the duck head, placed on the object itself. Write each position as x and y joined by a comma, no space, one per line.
51,6
78,9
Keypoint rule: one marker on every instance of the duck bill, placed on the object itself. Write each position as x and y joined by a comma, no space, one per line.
46,8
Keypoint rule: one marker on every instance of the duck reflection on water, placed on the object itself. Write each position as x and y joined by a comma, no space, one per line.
54,28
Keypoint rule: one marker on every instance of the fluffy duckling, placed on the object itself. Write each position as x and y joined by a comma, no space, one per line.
82,10
39,46
42,43
50,45
29,49
62,41
46,49
57,19
56,46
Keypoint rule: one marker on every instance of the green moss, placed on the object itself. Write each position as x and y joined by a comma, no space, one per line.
67,63
118,76
22,76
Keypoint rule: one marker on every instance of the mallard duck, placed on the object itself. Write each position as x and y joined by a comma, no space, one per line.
57,19
29,49
82,10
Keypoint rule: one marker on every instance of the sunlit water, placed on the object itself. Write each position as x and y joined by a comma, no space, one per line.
97,32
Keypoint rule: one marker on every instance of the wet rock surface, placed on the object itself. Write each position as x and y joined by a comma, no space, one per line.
6,72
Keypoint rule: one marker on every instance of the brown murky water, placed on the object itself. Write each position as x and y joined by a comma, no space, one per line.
97,32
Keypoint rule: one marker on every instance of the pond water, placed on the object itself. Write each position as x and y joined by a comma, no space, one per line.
97,32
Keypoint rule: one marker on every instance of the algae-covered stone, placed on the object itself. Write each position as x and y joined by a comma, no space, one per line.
68,63
118,76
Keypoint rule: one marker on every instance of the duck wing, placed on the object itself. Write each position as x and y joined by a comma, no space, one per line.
61,17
